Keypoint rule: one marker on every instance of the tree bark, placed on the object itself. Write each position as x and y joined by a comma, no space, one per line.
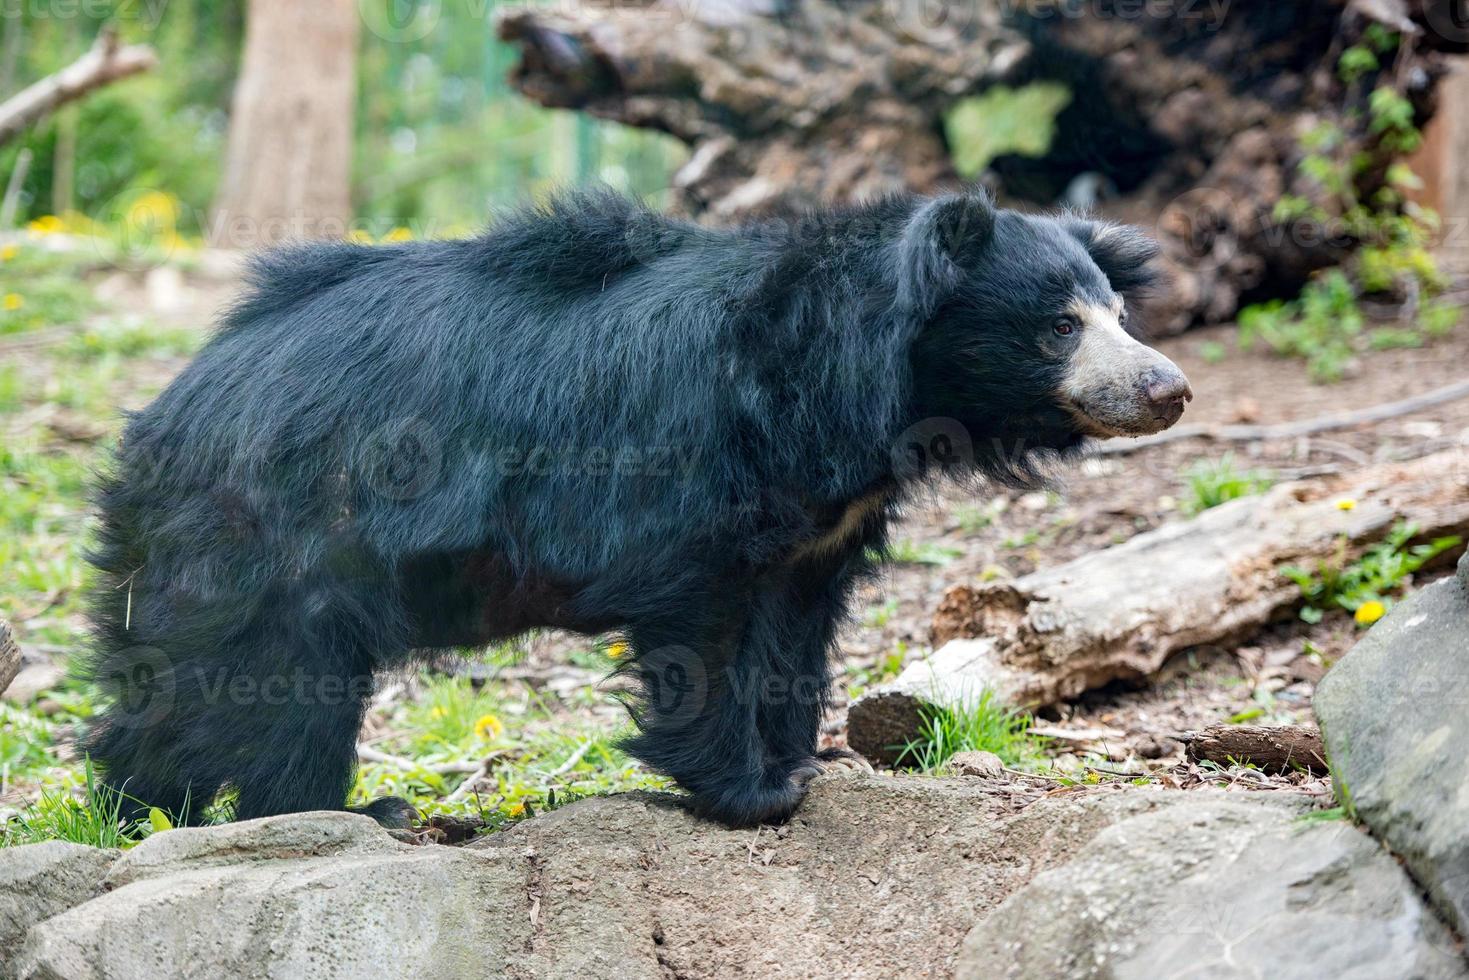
288,166
9,656
1191,113
1283,749
1118,614
104,63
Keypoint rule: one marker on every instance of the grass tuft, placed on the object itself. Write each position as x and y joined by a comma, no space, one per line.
982,724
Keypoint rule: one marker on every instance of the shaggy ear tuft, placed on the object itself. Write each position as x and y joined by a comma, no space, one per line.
1122,252
938,234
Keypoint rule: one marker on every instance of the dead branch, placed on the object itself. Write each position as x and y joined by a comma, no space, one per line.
104,63
1283,749
1120,613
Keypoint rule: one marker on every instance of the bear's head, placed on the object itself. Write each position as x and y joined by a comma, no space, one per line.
1024,317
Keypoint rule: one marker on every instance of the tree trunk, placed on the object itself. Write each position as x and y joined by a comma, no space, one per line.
1183,109
287,172
1118,614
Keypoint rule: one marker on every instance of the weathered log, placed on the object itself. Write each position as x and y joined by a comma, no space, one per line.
1283,749
1120,613
105,62
9,656
1188,115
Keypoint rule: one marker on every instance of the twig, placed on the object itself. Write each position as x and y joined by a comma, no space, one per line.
369,754
571,762
1291,430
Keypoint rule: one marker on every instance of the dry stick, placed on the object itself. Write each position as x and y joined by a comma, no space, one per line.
368,754
105,62
1291,430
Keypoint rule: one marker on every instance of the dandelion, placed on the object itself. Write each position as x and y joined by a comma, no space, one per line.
488,727
46,224
9,252
399,234
1369,612
1346,503
437,711
13,301
618,650
359,237
516,810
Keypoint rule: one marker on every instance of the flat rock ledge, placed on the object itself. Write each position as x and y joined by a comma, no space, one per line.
876,876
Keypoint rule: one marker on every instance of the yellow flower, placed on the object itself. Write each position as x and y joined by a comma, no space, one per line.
437,712
516,809
1369,612
398,235
9,252
359,237
1346,503
46,224
618,650
488,726
13,301
154,210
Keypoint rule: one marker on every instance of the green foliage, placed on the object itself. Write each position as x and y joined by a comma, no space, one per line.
1004,120
983,724
1213,482
1384,570
1325,326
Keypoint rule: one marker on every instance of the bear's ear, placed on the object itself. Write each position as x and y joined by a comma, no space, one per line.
1122,252
936,237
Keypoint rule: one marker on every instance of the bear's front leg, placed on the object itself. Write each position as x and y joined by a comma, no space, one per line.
733,717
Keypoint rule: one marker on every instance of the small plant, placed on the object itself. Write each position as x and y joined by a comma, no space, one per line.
1325,325
983,724
1214,482
887,667
1369,583
95,819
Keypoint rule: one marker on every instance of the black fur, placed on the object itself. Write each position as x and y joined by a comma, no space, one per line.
591,418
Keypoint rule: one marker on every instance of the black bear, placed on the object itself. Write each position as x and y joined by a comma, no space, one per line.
591,418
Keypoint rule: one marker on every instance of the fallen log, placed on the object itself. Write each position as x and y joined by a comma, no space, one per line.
1283,749
105,62
1118,614
9,656
1187,116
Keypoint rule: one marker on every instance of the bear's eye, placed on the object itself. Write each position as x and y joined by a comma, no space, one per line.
1064,326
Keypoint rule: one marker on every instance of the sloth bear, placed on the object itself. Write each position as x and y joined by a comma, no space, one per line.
590,418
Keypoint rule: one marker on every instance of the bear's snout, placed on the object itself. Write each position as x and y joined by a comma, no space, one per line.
1116,386
1166,390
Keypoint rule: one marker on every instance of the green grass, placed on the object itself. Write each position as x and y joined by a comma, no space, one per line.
983,724
1384,570
41,288
916,553
94,818
1214,482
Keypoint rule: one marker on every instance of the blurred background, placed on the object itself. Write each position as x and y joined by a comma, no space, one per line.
1302,165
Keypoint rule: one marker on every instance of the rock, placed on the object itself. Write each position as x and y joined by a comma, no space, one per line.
1219,890
875,876
977,764
38,881
1393,715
